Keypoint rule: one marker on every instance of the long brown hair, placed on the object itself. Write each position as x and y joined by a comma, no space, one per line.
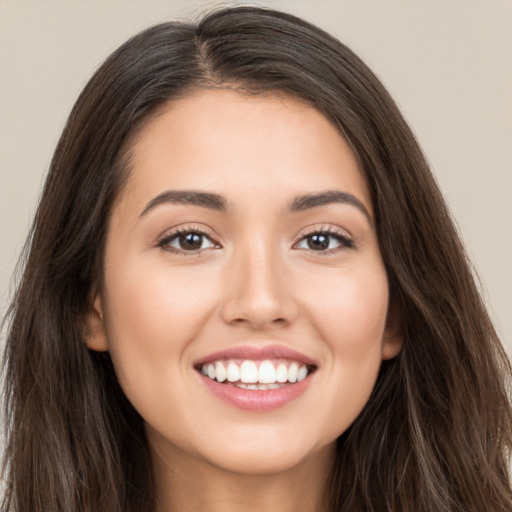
436,432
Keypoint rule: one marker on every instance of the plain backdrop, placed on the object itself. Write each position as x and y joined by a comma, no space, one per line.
447,63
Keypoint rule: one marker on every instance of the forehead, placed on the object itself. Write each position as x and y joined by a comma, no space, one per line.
241,146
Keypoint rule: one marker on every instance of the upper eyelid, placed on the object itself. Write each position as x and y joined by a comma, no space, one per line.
346,242
307,231
172,232
164,240
322,228
208,232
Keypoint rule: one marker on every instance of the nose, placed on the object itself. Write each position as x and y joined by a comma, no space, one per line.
259,295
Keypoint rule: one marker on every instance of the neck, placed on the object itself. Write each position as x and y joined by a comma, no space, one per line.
188,484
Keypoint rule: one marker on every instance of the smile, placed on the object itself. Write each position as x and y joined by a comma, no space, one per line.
256,378
256,375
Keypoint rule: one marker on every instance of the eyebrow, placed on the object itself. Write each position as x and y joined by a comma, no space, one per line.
308,201
188,197
219,203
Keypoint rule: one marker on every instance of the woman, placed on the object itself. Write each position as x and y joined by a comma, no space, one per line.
243,289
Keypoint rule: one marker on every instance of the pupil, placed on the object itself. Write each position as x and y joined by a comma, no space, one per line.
317,242
190,241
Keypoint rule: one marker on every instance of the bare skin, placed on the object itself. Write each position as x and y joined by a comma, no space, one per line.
190,486
284,255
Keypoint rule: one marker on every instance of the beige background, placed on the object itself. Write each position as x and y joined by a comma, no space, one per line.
447,63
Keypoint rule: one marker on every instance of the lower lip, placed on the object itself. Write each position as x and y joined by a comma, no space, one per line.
257,399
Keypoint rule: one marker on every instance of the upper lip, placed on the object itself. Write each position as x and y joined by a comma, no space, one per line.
257,353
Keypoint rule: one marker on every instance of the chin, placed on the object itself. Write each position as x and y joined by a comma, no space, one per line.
266,455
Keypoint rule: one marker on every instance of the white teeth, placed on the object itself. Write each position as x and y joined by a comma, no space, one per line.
233,372
293,372
267,373
220,372
257,386
281,373
303,371
267,376
248,372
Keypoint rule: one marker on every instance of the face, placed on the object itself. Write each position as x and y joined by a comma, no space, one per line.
244,300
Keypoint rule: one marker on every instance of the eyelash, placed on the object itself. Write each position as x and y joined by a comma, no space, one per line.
169,237
344,241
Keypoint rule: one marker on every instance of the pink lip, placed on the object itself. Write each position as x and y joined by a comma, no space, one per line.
257,353
257,400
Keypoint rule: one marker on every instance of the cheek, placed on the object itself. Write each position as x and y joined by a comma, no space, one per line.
351,310
154,304
350,317
154,313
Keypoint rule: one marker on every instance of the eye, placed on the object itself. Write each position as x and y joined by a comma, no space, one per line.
325,241
187,240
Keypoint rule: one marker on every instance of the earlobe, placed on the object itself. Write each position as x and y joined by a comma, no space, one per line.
393,338
391,347
95,334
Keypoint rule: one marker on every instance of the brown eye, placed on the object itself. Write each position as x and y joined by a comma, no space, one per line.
190,241
318,242
187,241
325,241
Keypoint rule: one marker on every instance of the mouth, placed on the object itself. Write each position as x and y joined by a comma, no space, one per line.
254,374
256,378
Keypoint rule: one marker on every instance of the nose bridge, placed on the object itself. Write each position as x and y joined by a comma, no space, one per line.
258,294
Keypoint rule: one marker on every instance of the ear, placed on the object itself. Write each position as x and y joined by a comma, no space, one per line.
393,338
96,334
